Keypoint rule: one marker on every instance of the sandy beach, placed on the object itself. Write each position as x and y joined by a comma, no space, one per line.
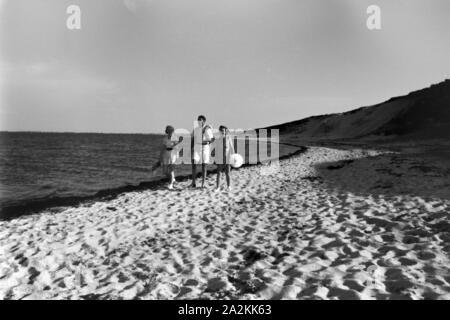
325,224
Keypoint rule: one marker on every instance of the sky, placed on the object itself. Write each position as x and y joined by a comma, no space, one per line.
138,65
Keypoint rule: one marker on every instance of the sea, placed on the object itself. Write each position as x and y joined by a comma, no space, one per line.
40,170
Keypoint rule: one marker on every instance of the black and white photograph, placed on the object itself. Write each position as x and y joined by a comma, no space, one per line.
225,150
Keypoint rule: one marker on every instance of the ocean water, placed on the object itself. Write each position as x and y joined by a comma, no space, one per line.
44,167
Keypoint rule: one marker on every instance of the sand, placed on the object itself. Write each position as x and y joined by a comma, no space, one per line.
326,224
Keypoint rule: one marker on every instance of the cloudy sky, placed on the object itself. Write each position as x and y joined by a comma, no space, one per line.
137,65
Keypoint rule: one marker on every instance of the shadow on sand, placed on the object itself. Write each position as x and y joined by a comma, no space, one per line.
390,175
402,198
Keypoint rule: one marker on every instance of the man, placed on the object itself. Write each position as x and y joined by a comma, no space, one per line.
202,137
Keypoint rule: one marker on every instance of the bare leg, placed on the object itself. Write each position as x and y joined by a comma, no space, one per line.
203,174
156,165
194,173
227,175
171,177
218,179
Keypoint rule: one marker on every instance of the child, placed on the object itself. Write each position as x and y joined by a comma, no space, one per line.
168,155
226,143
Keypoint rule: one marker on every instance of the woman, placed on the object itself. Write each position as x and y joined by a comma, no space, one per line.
226,144
168,155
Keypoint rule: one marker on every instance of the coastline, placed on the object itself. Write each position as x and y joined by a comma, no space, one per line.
56,204
326,224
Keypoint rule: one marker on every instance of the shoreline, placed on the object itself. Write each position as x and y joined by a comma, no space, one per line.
56,204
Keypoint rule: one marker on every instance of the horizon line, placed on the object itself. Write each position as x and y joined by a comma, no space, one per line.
264,127
78,132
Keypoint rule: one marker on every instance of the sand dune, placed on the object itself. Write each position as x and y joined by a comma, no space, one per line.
326,224
422,114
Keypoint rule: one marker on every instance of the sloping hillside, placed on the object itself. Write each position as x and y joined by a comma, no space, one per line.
421,114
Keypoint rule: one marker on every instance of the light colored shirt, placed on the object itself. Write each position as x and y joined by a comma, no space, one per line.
203,134
228,144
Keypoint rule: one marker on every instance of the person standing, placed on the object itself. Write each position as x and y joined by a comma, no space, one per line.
202,137
168,155
225,143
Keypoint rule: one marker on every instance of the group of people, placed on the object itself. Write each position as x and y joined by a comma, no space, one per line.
169,152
